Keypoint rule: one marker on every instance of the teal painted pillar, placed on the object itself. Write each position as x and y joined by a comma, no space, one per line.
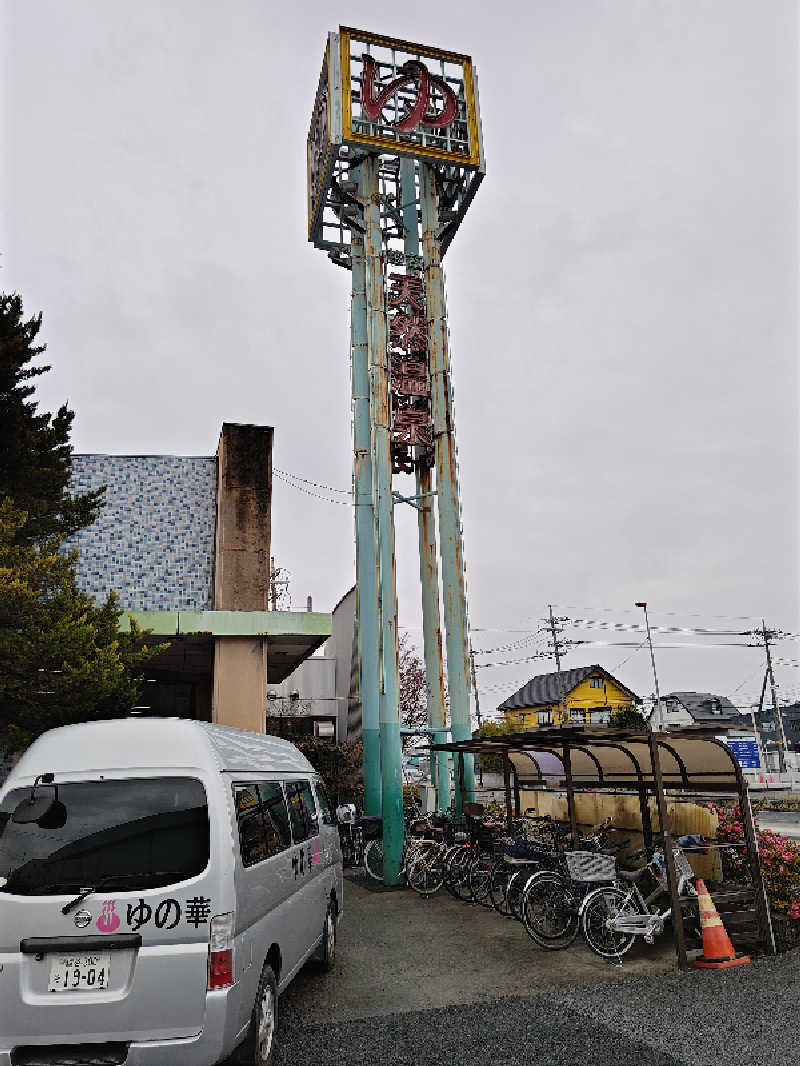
366,566
451,547
426,523
391,754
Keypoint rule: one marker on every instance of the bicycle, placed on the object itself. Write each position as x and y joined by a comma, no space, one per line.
413,847
551,900
612,917
536,844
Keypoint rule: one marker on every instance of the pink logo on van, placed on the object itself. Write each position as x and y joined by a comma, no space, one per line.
108,921
314,855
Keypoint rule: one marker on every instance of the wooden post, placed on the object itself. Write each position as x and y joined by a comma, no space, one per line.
507,787
461,782
573,820
647,823
517,801
669,858
759,892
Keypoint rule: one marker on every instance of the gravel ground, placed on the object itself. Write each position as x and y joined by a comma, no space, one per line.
436,981
746,1015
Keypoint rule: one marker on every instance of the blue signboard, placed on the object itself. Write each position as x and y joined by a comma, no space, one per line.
746,751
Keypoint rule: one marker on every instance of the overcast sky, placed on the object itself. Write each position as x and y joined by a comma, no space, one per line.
622,294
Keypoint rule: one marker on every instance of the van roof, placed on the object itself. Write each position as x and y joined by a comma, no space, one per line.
131,743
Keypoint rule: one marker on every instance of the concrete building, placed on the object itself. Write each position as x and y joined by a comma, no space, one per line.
320,696
185,542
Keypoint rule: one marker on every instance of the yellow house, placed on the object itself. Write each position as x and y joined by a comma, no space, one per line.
592,695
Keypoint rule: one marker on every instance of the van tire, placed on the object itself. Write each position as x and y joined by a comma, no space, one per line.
328,947
259,1048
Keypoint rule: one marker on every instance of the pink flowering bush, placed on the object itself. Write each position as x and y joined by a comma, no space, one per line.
780,860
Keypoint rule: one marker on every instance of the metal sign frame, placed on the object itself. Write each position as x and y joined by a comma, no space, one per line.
324,142
401,145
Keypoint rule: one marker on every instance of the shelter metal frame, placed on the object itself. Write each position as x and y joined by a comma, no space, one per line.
689,760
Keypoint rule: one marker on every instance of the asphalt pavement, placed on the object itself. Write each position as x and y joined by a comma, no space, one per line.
436,981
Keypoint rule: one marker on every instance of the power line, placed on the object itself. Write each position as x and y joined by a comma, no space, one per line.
283,474
308,492
634,627
666,614
511,646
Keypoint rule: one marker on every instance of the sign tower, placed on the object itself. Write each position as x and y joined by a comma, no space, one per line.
395,158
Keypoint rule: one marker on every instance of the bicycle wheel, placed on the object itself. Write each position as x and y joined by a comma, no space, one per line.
549,911
425,874
456,869
516,884
480,879
373,859
498,888
600,909
348,851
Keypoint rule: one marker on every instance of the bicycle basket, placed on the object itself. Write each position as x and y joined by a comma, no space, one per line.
590,866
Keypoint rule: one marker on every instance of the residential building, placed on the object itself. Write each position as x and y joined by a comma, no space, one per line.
680,709
592,696
768,734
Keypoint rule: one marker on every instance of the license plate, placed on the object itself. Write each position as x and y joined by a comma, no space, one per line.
83,971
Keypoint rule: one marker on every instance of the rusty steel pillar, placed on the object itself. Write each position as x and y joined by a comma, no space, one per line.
426,523
391,752
451,547
366,565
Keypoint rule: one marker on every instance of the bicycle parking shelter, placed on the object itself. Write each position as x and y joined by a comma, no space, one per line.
578,759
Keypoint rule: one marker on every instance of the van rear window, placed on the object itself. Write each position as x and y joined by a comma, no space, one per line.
130,834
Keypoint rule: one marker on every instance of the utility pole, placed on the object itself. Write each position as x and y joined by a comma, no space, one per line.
755,716
475,685
557,653
643,605
766,635
276,582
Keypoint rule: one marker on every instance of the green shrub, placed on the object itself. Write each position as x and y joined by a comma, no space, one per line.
779,857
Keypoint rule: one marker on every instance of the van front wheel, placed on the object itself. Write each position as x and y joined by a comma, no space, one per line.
265,1018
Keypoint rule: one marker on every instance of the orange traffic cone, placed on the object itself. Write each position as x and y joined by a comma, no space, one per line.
718,951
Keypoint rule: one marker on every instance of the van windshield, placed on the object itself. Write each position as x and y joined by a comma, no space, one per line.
137,833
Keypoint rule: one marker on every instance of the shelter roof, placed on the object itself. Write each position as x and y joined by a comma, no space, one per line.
544,689
691,759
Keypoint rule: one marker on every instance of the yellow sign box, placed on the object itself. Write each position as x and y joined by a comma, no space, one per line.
396,97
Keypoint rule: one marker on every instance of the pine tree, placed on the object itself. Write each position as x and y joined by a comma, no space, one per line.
35,452
62,658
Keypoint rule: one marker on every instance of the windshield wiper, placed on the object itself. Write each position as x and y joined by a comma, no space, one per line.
111,878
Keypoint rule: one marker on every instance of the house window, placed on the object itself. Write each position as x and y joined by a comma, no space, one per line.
543,717
577,716
521,719
595,682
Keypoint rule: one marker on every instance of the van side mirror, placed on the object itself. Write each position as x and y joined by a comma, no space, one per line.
46,811
32,809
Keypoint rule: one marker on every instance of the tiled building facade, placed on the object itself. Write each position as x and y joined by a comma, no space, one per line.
154,540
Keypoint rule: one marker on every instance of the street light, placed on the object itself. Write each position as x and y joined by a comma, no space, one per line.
652,658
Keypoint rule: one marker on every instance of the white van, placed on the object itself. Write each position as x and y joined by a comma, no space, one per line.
161,882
